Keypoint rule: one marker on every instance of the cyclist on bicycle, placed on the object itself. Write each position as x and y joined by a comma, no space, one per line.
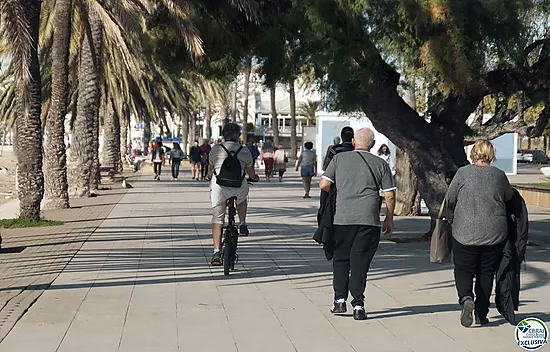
219,194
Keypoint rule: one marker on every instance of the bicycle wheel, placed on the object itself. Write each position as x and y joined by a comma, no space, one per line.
227,256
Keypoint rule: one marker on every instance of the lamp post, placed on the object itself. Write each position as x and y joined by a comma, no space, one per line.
234,103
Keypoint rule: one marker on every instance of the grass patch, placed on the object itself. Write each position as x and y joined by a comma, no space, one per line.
19,223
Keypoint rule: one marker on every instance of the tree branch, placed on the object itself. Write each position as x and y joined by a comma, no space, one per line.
494,130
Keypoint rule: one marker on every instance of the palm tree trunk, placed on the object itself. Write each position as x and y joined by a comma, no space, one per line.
185,132
274,120
55,177
208,122
146,133
111,137
97,35
193,128
82,168
247,72
293,140
124,131
28,147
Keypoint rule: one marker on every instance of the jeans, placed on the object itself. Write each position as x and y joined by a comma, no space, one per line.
354,249
480,262
176,167
158,168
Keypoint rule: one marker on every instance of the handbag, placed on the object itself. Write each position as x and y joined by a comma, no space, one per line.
374,178
286,159
442,239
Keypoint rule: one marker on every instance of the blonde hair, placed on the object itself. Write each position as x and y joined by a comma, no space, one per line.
483,151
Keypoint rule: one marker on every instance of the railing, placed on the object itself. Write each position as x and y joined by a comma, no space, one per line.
283,131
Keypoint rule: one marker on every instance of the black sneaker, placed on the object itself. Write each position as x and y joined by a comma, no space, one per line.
339,307
481,321
243,230
359,313
466,316
216,259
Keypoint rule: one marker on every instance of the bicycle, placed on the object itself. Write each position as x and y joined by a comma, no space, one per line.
230,239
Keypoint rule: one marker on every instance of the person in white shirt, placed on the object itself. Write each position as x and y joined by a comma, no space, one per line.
219,194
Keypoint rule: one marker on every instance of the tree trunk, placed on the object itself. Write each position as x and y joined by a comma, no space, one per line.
247,72
124,121
274,120
28,146
407,195
208,122
97,36
436,149
111,137
146,133
193,128
293,140
185,132
55,177
82,156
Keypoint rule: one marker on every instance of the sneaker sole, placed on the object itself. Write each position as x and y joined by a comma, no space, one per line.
466,317
338,311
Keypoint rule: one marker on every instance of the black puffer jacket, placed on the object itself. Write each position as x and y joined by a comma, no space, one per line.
508,274
325,219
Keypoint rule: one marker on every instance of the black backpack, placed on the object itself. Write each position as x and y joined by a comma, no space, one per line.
231,174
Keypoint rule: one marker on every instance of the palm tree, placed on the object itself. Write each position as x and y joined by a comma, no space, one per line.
309,110
55,167
83,166
293,139
274,120
247,72
20,23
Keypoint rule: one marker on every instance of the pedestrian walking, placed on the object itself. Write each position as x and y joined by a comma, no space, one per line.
176,155
335,142
476,202
345,146
267,155
280,160
195,158
158,158
205,159
307,163
253,148
359,176
385,153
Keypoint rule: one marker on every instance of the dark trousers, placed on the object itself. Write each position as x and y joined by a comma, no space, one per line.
176,167
158,168
354,249
480,262
204,169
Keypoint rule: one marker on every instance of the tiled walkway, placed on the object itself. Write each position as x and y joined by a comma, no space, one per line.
142,282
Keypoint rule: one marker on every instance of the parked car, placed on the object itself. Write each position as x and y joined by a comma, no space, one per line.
532,156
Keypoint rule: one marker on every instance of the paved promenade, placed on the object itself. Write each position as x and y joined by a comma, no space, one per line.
141,282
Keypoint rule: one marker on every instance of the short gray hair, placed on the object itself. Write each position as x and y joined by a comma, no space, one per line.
364,137
337,140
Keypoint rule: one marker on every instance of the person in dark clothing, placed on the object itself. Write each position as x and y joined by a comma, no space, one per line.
195,158
477,200
345,146
359,176
254,151
205,148
176,155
